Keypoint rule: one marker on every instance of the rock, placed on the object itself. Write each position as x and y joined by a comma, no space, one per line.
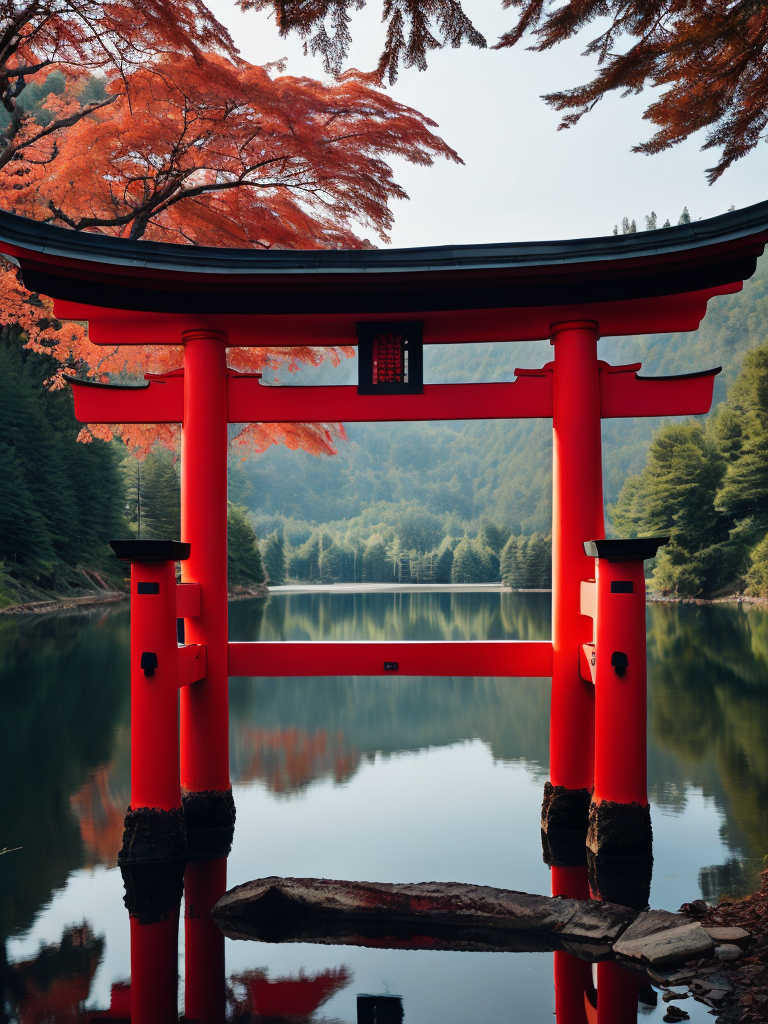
734,936
695,909
728,952
670,994
716,995
712,982
675,1013
452,914
659,937
670,977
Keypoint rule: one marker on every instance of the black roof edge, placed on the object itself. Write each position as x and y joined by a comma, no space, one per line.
100,384
86,246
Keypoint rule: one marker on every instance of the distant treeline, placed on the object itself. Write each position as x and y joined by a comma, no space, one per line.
705,483
406,547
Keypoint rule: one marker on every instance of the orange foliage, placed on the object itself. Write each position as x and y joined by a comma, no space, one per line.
291,759
220,153
101,815
192,145
292,998
52,987
40,36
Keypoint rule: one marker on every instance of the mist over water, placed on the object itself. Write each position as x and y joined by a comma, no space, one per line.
384,779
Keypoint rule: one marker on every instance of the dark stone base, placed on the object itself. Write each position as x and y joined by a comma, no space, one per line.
619,829
153,836
563,849
153,891
625,880
565,810
210,821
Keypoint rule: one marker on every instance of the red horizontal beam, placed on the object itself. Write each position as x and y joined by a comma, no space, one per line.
157,401
627,394
412,657
252,402
622,393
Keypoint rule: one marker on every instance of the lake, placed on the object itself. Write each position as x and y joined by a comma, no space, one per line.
387,779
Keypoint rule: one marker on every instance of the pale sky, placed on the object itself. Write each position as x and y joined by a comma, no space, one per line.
522,179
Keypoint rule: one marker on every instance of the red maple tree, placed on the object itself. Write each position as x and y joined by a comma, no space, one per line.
191,144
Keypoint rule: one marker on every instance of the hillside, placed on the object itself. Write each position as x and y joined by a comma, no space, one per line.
465,472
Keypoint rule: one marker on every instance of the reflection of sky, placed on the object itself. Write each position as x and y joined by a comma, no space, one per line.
446,813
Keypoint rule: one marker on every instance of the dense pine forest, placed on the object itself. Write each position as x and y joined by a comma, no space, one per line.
60,501
456,502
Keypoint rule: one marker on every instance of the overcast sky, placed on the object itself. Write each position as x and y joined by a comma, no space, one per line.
522,178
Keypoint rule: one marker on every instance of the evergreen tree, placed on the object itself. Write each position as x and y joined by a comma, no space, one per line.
273,557
473,563
244,565
538,568
161,497
675,495
375,565
741,432
442,570
494,536
756,577
419,530
685,217
651,222
508,562
60,501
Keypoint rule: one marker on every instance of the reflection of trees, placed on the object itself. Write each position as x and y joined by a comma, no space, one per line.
64,685
254,997
52,987
290,759
100,805
709,710
358,718
390,616
289,732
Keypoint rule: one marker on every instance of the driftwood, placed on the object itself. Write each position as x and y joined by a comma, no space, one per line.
425,915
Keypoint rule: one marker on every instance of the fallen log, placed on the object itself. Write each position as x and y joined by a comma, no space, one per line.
424,915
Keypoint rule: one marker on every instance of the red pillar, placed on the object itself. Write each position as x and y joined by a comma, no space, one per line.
617,992
205,882
577,515
154,825
619,817
620,689
155,971
574,990
154,690
205,704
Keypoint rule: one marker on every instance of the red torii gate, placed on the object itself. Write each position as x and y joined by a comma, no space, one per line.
208,299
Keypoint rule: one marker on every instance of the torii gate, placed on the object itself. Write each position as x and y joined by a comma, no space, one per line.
207,299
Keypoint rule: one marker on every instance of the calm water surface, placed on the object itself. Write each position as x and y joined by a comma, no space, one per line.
401,779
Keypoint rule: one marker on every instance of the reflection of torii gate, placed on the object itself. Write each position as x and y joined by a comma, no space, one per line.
571,292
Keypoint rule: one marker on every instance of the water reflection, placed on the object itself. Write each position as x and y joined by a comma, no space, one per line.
391,616
65,745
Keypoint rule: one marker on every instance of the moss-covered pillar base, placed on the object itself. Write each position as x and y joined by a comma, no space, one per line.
153,836
619,829
565,810
210,823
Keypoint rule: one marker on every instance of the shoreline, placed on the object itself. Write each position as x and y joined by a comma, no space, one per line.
93,600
